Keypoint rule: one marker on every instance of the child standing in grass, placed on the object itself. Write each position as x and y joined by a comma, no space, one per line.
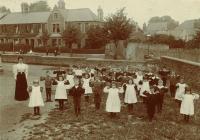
187,105
145,87
173,79
160,95
36,99
76,92
151,101
97,86
48,82
61,93
87,87
180,91
130,95
113,104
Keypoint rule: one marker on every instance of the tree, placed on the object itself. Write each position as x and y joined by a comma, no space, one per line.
168,40
39,6
195,42
71,34
96,37
119,27
45,38
3,9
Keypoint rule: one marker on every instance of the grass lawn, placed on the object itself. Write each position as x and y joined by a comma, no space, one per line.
97,125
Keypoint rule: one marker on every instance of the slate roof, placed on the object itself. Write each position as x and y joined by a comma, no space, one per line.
25,18
70,15
2,15
83,14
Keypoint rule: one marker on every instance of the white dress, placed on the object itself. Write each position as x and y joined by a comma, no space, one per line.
180,91
187,104
36,99
78,72
130,94
113,103
70,78
145,87
138,79
61,90
86,86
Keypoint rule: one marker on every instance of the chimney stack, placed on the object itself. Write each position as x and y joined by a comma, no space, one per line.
100,13
24,7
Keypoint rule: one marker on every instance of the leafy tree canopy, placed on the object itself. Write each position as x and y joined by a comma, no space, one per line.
71,35
3,9
119,26
96,37
39,6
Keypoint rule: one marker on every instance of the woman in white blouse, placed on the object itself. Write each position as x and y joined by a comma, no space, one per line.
20,71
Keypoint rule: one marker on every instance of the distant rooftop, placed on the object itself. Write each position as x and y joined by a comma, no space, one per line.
83,14
25,18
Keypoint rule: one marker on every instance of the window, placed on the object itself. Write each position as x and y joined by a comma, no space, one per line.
58,28
55,15
54,28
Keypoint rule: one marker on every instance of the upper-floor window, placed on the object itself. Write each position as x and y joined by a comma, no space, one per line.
56,28
55,16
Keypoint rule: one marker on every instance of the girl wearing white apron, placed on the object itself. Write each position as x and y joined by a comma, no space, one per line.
130,95
36,99
113,104
180,91
87,87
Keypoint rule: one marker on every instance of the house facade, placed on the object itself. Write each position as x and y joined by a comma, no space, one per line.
27,27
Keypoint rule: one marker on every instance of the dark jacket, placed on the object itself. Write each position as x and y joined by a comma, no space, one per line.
76,92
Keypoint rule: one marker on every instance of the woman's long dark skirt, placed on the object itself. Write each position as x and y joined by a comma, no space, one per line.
21,93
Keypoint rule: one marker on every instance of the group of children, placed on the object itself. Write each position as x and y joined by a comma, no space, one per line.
133,85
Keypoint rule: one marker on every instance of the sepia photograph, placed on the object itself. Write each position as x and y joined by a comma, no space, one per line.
99,69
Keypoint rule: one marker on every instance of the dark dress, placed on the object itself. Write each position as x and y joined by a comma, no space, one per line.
21,93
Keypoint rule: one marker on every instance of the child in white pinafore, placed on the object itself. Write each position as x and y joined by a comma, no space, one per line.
187,104
70,78
87,87
113,104
130,95
36,99
180,91
61,91
145,87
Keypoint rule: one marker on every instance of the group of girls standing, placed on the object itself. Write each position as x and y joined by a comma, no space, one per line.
147,87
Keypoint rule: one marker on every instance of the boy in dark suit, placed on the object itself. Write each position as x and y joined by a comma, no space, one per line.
151,102
76,91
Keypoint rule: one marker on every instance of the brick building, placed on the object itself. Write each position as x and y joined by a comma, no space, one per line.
27,27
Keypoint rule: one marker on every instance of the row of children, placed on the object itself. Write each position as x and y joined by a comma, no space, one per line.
134,85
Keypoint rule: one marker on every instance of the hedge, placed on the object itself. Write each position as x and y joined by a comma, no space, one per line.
67,50
25,48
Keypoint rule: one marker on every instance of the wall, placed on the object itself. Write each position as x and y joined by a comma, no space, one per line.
136,51
188,54
190,70
65,61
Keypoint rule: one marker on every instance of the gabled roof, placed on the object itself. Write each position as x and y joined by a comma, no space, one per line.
3,14
83,14
25,18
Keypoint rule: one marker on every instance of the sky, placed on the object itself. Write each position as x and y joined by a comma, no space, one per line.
139,10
